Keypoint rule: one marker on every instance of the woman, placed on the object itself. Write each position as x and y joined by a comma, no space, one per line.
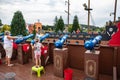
8,46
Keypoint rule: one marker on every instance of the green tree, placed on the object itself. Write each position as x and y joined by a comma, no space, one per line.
44,27
0,22
60,25
70,28
48,27
18,26
5,27
102,29
75,25
34,31
55,23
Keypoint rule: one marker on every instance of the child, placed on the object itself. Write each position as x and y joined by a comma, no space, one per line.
37,51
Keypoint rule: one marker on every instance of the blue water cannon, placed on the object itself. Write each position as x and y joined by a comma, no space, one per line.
60,42
1,34
41,38
44,37
22,39
1,37
90,44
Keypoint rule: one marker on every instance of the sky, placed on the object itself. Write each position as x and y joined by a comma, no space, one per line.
46,10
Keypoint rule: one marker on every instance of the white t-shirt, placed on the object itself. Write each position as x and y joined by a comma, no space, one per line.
37,47
8,42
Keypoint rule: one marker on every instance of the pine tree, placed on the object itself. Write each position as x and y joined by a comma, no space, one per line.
75,25
18,26
55,23
60,25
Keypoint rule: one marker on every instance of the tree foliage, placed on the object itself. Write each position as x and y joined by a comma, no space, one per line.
60,25
34,31
0,22
55,23
75,25
18,26
70,28
5,28
48,27
99,29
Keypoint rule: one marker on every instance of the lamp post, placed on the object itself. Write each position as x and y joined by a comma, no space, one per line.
114,13
115,10
87,8
68,11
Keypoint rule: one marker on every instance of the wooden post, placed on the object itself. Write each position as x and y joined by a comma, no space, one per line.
115,64
22,56
60,61
92,65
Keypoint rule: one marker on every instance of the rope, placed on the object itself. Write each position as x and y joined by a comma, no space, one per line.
92,20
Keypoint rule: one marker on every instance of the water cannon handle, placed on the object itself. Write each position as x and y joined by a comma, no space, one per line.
89,45
60,42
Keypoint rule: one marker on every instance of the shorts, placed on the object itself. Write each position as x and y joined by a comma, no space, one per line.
37,54
8,51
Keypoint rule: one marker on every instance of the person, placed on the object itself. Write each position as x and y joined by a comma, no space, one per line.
8,46
37,52
78,31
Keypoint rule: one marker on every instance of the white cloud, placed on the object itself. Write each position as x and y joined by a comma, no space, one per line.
46,10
